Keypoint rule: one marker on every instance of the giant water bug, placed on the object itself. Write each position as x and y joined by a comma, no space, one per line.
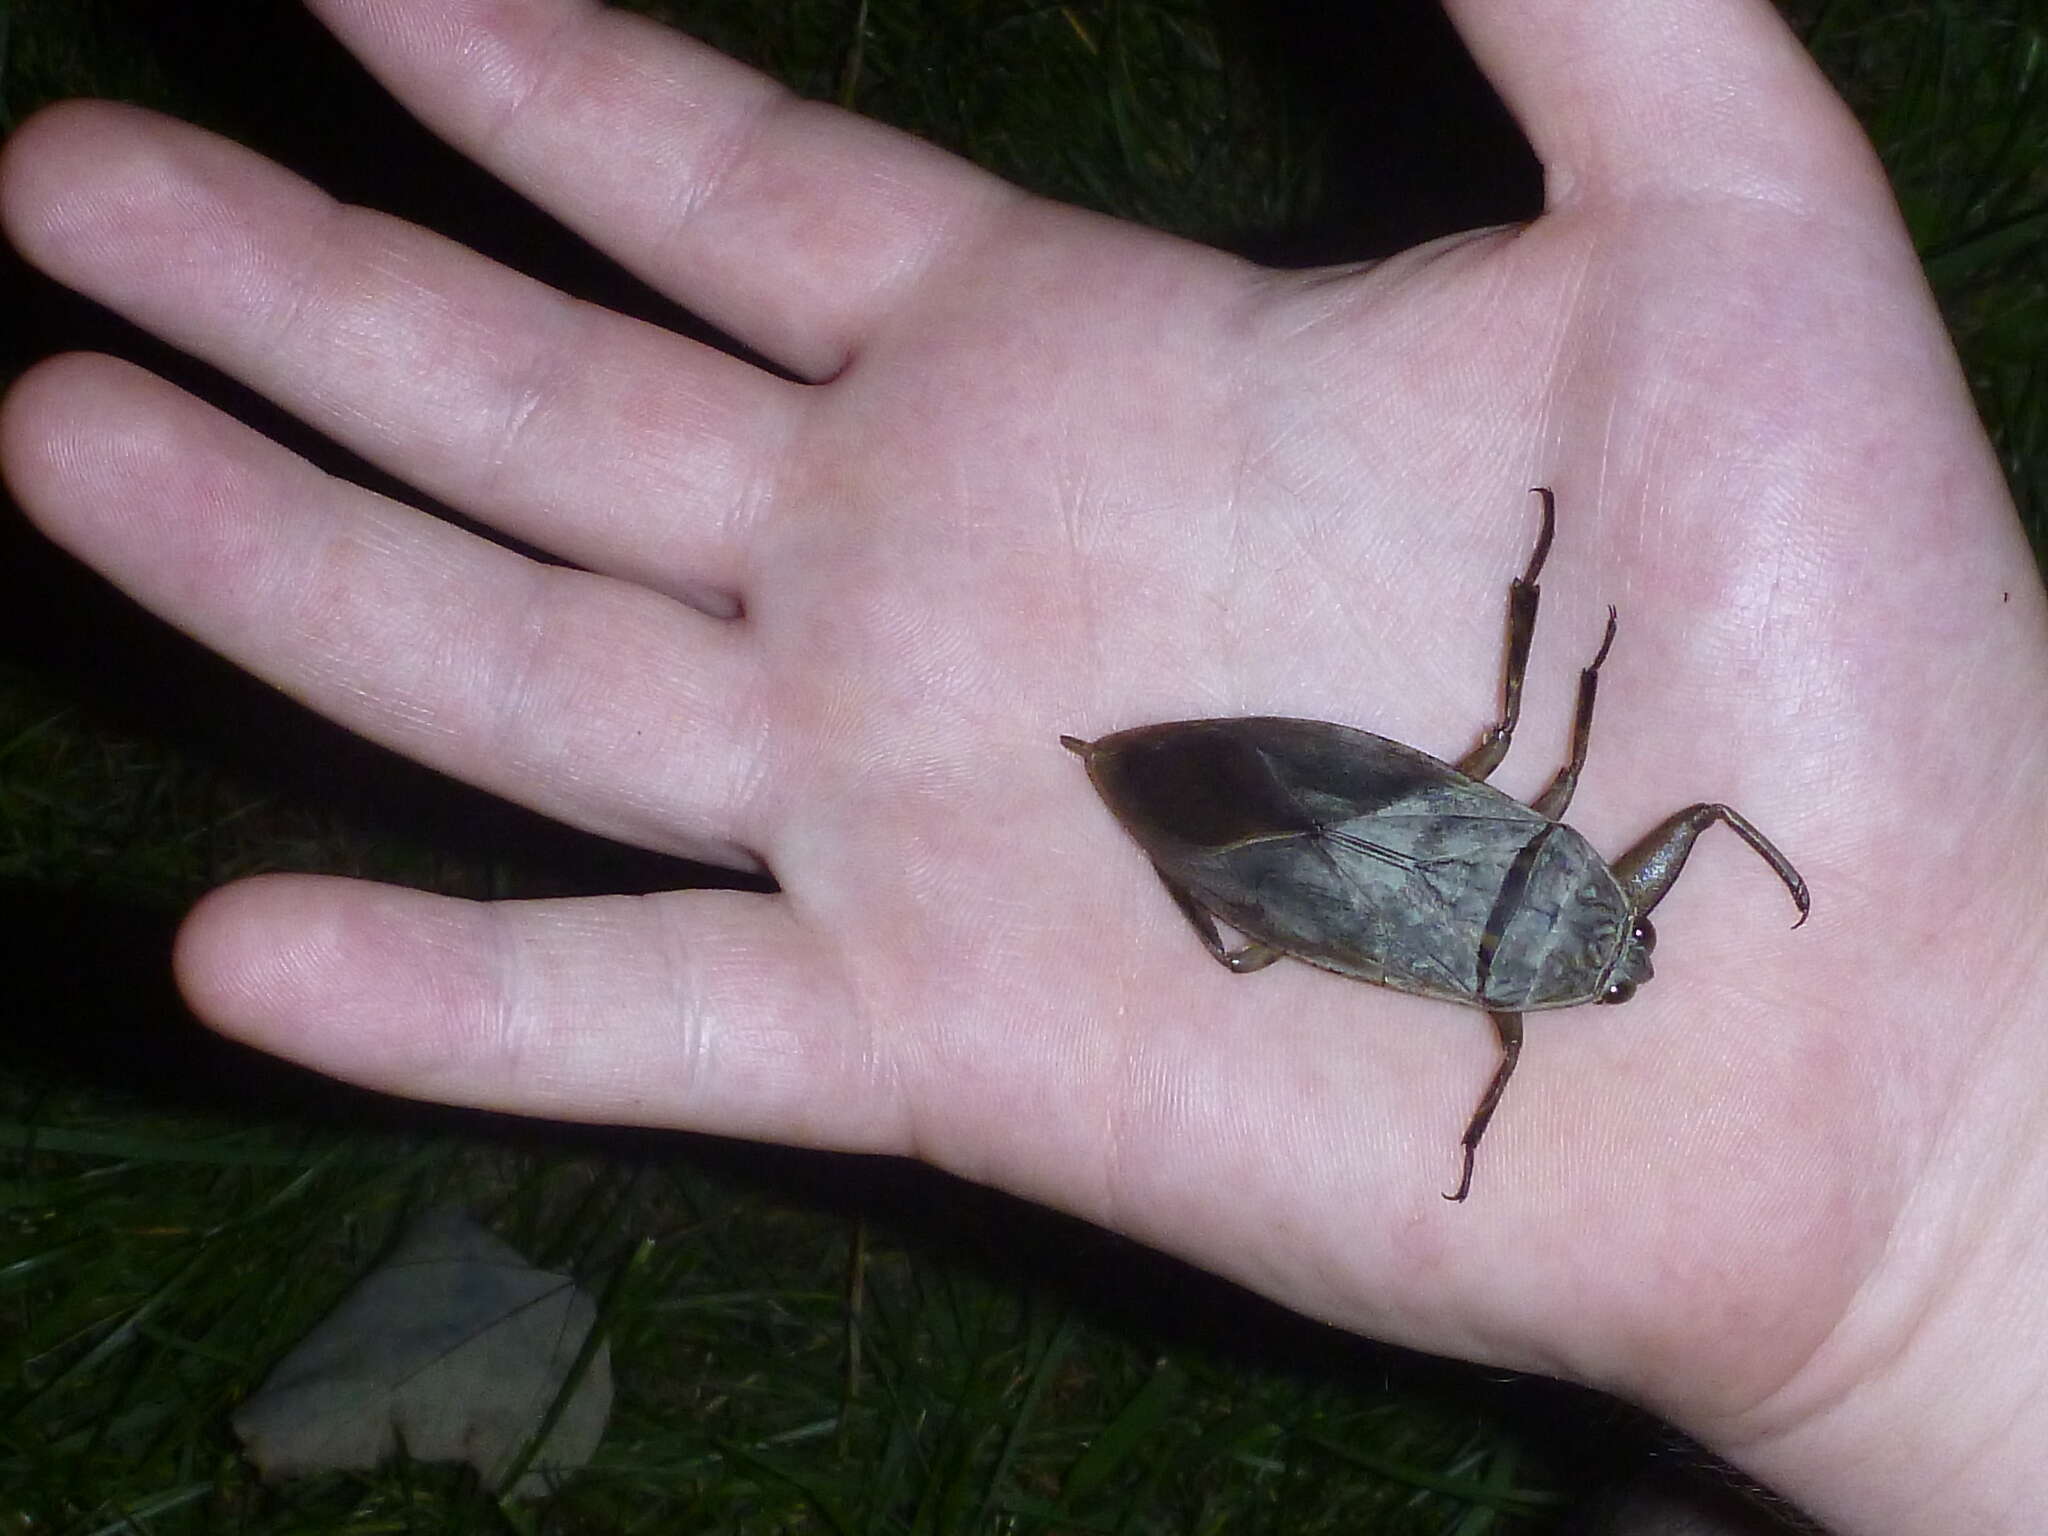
1377,861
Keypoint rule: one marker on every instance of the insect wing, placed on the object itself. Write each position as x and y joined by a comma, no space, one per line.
1401,895
1367,857
1345,849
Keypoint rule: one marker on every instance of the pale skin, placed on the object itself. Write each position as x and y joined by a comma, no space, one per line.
1055,474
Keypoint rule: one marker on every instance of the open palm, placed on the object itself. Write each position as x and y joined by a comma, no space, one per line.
1055,474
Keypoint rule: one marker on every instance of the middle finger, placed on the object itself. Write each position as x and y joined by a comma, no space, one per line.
605,440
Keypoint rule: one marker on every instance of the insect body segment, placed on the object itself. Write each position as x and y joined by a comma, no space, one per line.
1377,861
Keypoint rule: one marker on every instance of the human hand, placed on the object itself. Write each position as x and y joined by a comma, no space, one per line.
1055,474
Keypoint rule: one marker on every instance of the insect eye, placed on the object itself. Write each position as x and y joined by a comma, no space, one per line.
1645,935
1618,992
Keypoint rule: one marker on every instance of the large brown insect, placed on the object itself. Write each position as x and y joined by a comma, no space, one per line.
1380,862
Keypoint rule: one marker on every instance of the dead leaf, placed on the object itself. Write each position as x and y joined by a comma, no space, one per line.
453,1349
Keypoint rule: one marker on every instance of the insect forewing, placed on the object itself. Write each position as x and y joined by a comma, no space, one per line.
1363,856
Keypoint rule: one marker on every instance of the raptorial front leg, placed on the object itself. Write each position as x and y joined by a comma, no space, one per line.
1522,597
1253,956
1647,870
1509,1027
1552,801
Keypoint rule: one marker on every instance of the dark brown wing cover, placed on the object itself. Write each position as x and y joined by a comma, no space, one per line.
1368,857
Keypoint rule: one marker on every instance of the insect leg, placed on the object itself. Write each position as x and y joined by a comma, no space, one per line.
1552,801
1522,595
1647,870
1509,1027
1253,956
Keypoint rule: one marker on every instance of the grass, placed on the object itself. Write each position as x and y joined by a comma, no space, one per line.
801,1343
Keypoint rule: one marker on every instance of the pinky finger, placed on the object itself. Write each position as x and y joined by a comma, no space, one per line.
702,1010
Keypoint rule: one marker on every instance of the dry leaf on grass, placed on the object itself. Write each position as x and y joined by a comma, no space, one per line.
453,1349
